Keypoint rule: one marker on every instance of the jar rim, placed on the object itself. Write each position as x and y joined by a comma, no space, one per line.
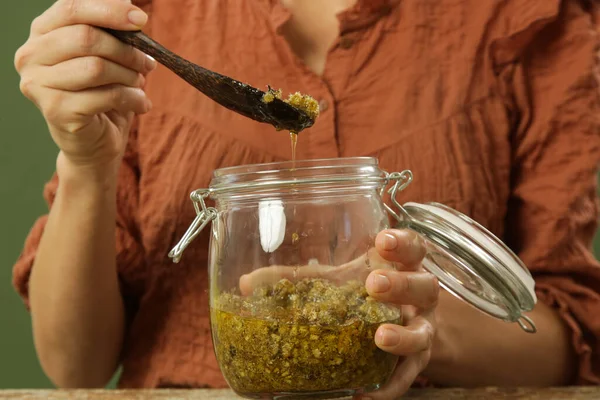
309,171
295,165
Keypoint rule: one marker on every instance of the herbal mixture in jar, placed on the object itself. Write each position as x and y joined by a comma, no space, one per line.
309,335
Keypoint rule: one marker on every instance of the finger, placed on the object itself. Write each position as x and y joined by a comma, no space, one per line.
420,289
402,246
399,340
87,72
81,41
369,261
401,380
275,273
115,14
357,269
72,110
106,98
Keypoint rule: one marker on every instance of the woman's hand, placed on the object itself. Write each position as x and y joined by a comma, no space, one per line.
414,291
394,276
87,84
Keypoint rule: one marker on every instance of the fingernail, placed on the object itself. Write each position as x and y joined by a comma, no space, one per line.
142,81
147,105
379,283
387,241
137,17
416,242
150,63
436,287
387,337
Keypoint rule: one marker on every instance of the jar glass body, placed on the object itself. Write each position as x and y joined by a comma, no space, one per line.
290,251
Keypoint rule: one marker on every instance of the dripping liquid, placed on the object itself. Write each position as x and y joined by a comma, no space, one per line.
294,140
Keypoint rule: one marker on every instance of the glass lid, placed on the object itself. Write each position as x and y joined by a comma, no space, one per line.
468,260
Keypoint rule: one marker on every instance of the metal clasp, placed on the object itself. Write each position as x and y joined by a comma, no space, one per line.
402,180
527,324
204,215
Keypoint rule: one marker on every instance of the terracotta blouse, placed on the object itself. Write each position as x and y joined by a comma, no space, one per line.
492,104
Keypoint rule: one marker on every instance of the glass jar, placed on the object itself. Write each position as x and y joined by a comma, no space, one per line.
290,250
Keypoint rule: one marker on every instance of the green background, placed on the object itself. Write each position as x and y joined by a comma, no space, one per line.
27,156
27,160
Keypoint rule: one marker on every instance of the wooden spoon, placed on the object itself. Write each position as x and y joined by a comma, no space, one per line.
230,93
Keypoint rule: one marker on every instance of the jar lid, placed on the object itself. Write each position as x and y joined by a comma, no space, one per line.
469,261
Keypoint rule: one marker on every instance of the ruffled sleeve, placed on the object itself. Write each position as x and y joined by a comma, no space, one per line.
130,255
550,67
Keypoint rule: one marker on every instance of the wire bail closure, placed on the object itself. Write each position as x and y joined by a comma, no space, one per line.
527,324
402,180
204,215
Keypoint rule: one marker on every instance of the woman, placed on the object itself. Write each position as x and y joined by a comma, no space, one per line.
493,105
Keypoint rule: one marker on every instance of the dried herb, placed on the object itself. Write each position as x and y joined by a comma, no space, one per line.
308,336
301,101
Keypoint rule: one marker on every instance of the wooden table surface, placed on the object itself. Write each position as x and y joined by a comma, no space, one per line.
573,393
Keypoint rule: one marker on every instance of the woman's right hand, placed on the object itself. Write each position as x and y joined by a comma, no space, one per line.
87,84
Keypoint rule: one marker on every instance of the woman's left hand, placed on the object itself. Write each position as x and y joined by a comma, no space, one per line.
416,292
394,276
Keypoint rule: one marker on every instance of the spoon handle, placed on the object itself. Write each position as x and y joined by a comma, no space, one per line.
228,92
224,90
147,45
